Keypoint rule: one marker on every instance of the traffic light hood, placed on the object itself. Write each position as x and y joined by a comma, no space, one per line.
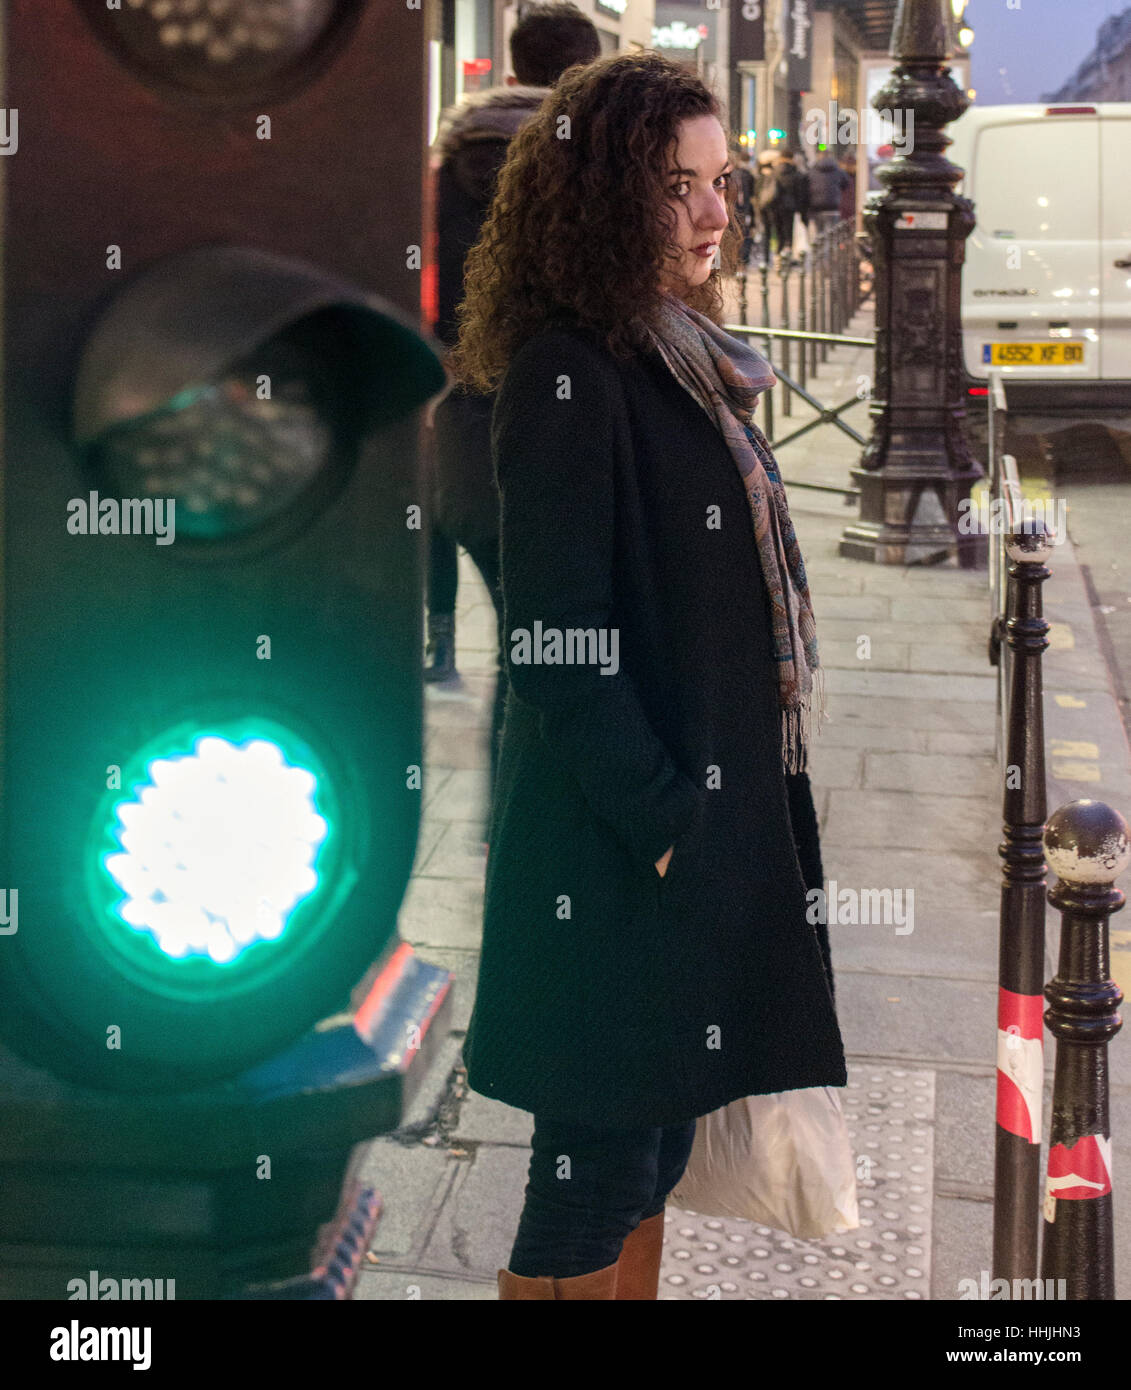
186,319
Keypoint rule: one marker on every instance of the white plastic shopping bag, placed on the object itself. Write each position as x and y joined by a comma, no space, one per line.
782,1160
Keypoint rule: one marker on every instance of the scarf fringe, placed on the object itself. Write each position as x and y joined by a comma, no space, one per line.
797,724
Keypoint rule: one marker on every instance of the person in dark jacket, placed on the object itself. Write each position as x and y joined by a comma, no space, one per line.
848,192
647,955
470,146
765,189
827,183
788,197
744,204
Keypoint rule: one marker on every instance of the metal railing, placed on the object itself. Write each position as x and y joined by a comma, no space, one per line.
1086,843
828,293
1005,499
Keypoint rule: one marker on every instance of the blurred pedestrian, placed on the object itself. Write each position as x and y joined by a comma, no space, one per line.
765,190
848,192
471,145
647,953
744,204
827,182
788,198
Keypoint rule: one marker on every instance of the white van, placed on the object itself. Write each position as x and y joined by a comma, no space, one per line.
1046,288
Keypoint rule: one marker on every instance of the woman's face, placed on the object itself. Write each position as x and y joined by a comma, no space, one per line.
697,189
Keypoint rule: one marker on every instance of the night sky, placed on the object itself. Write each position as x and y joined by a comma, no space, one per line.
1039,45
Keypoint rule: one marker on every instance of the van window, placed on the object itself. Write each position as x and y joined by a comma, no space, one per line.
1038,180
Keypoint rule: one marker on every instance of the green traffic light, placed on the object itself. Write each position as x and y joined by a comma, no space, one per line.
217,846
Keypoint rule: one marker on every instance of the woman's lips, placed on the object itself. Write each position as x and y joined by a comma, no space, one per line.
705,249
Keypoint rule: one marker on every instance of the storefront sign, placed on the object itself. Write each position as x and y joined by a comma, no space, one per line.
747,31
799,49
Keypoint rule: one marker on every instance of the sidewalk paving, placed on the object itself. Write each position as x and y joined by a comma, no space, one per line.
908,796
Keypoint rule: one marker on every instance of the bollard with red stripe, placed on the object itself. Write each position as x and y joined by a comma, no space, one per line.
1021,952
1087,847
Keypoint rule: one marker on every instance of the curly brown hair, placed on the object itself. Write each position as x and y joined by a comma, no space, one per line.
581,222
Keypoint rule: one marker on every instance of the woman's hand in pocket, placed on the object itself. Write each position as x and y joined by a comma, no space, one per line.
662,863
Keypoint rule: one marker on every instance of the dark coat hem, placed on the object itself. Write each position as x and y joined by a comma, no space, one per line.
796,1078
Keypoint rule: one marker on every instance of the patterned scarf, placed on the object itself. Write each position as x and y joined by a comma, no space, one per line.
725,377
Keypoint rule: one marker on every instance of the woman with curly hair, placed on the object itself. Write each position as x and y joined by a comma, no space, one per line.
647,956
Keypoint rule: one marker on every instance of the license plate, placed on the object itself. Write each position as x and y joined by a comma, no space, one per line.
1033,354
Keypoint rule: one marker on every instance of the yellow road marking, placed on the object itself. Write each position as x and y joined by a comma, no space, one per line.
1121,961
1075,772
1066,748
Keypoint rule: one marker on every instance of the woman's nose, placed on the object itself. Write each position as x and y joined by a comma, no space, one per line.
713,214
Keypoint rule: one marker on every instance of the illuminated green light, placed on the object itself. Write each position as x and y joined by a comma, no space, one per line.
217,848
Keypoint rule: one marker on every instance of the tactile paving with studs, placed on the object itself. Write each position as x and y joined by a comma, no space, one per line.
890,1114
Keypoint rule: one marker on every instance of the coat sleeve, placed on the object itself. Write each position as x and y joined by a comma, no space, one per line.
554,439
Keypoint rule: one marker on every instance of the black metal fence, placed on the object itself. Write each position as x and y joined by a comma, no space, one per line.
818,293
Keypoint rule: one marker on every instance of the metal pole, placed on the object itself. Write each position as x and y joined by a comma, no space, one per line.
786,352
813,305
767,396
1087,847
845,277
802,321
823,261
1021,948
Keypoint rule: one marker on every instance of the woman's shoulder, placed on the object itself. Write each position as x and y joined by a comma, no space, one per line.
562,336
565,348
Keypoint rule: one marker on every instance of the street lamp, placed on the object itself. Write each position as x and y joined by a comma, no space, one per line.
917,467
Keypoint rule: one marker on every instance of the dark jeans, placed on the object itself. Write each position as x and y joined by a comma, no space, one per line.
443,572
576,1218
780,222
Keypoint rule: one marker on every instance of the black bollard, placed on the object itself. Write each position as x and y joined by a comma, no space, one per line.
1021,948
1087,846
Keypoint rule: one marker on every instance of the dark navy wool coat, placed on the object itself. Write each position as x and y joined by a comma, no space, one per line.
607,994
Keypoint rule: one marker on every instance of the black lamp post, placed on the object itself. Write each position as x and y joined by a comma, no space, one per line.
917,466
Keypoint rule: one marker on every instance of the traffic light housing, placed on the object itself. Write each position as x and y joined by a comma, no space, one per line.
211,581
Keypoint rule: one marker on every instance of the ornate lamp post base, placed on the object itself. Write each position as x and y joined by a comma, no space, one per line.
906,518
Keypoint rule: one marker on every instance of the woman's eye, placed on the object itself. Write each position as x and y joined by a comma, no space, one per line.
681,189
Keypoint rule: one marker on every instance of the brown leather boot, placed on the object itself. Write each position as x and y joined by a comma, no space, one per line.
638,1269
602,1283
